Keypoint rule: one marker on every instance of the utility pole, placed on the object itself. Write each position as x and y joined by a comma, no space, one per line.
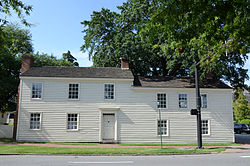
198,105
160,123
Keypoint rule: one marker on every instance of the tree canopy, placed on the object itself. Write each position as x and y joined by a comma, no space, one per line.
20,8
16,42
166,37
241,108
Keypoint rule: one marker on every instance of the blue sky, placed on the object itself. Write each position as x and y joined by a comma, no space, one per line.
57,27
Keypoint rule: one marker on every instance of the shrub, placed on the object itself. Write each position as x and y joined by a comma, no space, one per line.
245,121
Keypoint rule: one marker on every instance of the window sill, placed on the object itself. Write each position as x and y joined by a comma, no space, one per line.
75,130
73,99
37,99
206,135
162,136
35,129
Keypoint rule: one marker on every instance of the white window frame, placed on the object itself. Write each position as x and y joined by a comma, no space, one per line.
78,91
78,120
208,127
31,92
157,102
180,100
104,91
167,128
202,101
40,126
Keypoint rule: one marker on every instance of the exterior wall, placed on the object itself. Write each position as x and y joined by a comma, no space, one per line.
6,131
135,110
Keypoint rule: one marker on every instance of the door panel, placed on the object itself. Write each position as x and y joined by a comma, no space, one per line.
108,126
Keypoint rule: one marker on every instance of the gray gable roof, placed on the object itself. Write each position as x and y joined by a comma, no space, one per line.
173,82
118,73
79,72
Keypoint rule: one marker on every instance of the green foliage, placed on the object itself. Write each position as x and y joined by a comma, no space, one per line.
245,121
192,31
68,57
241,108
166,37
108,36
50,60
14,42
20,8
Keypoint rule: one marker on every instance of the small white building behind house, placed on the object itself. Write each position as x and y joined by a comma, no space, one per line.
79,104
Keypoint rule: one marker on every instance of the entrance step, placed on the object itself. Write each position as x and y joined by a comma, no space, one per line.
109,142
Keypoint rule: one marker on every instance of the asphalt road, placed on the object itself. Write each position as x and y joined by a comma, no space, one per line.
226,159
242,138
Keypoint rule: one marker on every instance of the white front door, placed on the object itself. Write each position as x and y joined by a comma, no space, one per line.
108,126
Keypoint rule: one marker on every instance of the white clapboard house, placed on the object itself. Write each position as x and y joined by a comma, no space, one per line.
90,104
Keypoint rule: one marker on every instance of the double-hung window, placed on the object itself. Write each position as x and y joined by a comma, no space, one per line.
37,90
183,103
203,101
161,100
72,121
162,127
73,91
35,121
205,127
109,90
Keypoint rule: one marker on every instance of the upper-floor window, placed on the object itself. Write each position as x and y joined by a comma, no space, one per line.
35,121
72,122
183,103
73,91
109,91
161,100
203,101
37,90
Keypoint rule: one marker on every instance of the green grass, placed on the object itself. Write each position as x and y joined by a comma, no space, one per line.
24,149
72,143
185,144
6,140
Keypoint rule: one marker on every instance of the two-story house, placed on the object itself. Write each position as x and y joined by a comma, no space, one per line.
88,104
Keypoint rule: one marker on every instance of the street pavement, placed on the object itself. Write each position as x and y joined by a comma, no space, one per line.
224,159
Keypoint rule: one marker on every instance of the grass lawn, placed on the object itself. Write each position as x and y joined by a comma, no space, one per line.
185,144
23,149
6,140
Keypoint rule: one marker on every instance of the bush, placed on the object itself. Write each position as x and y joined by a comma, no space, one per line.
245,121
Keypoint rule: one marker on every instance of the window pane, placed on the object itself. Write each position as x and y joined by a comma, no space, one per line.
203,101
108,91
162,127
72,121
36,90
204,127
35,121
161,100
182,100
73,91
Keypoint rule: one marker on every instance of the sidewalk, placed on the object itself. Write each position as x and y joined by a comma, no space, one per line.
229,149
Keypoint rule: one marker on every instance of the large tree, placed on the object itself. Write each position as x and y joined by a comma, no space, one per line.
241,108
17,6
15,43
166,37
194,30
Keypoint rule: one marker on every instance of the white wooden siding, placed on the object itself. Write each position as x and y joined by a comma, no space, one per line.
136,118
